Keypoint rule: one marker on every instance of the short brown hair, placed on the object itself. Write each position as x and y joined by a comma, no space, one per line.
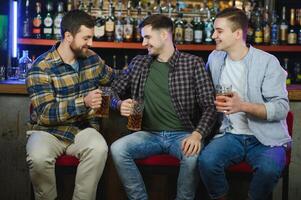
237,17
158,21
73,20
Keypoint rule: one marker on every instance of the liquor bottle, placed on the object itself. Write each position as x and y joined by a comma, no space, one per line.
48,22
299,25
119,24
99,28
128,29
283,27
266,27
57,21
110,23
69,5
137,31
292,33
114,62
89,7
248,8
258,35
126,65
208,29
286,68
275,31
179,30
82,6
188,32
169,10
26,22
24,65
198,30
297,73
37,22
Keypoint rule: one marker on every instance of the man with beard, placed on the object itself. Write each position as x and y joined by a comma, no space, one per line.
178,112
63,87
254,125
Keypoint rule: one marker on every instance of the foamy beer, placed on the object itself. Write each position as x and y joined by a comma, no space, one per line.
135,118
104,109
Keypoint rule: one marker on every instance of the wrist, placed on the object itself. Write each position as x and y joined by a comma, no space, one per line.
198,134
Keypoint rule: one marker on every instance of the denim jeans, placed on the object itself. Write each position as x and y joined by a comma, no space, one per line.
143,144
267,163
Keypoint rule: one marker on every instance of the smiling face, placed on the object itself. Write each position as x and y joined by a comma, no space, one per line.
153,40
224,36
82,41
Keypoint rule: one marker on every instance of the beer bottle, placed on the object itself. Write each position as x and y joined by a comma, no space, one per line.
57,21
48,22
128,25
283,27
26,22
99,28
37,22
126,65
110,23
292,33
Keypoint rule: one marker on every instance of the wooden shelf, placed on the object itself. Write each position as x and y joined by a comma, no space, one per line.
185,47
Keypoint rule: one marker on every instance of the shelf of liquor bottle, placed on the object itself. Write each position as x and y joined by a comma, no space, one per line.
136,45
19,87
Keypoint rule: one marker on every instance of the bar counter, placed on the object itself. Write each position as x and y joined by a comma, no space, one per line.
18,87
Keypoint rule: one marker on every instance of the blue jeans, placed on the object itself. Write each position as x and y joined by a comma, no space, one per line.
143,144
267,163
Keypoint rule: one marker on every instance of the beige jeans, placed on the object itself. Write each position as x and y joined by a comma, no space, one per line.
42,150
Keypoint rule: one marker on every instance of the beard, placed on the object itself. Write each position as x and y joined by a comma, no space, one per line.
79,52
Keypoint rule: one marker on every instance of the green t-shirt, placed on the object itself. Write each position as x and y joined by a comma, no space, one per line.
159,113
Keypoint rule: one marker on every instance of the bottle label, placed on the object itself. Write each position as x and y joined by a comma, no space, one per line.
292,38
198,36
128,31
57,21
48,22
47,30
37,22
188,35
99,31
266,34
36,30
119,32
179,34
258,37
109,26
57,31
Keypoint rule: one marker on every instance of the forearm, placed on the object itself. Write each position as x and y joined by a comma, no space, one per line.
254,109
56,113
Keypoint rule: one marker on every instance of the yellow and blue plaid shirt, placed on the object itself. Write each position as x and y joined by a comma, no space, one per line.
57,93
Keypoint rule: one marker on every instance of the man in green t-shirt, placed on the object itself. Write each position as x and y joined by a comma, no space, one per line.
178,112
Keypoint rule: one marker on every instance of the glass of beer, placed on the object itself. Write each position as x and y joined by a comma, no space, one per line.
104,109
135,118
223,90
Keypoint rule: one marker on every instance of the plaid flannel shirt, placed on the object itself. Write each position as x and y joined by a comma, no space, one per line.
57,93
190,87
